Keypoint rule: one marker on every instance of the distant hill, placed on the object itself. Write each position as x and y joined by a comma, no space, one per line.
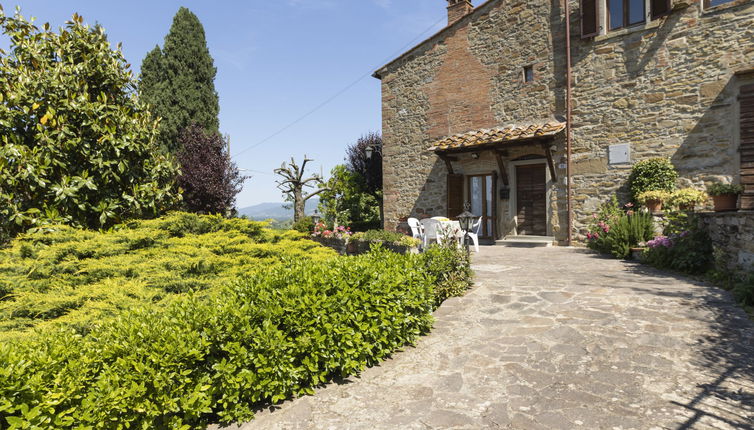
275,211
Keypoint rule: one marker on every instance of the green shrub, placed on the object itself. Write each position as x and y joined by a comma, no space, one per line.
613,231
275,334
654,174
76,146
720,189
687,198
304,225
450,271
648,196
68,276
685,246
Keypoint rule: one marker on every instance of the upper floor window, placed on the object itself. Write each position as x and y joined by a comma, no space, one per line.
625,13
601,16
712,3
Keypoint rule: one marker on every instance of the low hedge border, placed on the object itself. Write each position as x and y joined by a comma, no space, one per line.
276,334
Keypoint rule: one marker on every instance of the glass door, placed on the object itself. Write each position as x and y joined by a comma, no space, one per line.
481,196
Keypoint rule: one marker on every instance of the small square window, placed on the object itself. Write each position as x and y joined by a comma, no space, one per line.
529,74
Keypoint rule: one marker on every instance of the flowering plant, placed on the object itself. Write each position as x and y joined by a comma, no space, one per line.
684,246
615,229
339,232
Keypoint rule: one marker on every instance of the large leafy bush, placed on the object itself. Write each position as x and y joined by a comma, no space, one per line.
63,276
274,334
77,146
653,174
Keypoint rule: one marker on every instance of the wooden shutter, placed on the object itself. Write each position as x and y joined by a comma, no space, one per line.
455,195
746,121
589,18
659,8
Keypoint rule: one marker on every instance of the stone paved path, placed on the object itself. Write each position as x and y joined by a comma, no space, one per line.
556,338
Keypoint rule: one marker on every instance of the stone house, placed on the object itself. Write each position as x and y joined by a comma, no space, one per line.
479,112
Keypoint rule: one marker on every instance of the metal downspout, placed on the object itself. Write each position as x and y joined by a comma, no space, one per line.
568,121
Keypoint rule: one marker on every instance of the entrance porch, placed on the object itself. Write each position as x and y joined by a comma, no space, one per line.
508,177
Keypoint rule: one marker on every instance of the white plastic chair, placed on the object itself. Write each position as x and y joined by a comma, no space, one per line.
429,226
476,228
417,230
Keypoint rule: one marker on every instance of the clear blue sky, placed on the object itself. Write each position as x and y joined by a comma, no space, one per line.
276,60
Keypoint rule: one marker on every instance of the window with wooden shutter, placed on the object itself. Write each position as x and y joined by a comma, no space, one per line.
659,8
589,18
455,196
746,123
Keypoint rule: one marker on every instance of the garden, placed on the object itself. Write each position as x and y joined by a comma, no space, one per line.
660,226
189,319
129,295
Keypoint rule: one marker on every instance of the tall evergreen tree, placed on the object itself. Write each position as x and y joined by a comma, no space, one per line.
178,80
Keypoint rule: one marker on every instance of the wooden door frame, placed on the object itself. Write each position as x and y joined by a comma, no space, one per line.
493,217
513,201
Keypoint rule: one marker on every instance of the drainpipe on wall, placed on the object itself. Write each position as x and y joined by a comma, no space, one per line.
568,121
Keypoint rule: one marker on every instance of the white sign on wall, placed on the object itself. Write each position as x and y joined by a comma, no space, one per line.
619,154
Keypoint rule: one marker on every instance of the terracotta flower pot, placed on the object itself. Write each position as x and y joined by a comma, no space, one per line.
725,202
687,208
654,205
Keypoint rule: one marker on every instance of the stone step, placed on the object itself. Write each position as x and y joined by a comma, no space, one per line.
526,241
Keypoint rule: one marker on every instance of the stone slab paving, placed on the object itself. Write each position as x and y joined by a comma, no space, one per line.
554,338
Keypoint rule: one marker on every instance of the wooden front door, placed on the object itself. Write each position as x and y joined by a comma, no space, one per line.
531,199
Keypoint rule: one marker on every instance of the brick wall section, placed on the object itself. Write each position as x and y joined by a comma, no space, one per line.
459,94
668,89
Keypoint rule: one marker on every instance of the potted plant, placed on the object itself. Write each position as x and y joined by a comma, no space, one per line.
686,199
653,199
725,196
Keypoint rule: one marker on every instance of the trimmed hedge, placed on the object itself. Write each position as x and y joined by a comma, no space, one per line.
76,278
273,335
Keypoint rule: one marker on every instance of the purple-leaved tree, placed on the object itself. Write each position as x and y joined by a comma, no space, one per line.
209,178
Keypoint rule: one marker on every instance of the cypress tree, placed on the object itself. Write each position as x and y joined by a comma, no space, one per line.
178,80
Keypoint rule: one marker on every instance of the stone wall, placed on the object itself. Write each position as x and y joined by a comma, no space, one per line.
667,88
732,235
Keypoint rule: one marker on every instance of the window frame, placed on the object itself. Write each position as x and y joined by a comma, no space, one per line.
626,15
707,4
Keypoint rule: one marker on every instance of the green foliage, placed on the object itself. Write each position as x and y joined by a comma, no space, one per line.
687,198
62,276
386,236
720,189
450,270
685,247
648,196
274,334
613,231
654,174
348,200
304,225
77,146
178,80
740,284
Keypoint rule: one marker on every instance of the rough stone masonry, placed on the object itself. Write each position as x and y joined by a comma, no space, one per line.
667,87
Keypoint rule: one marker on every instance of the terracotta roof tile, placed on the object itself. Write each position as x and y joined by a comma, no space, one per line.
500,135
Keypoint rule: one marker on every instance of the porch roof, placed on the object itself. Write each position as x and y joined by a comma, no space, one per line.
497,136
